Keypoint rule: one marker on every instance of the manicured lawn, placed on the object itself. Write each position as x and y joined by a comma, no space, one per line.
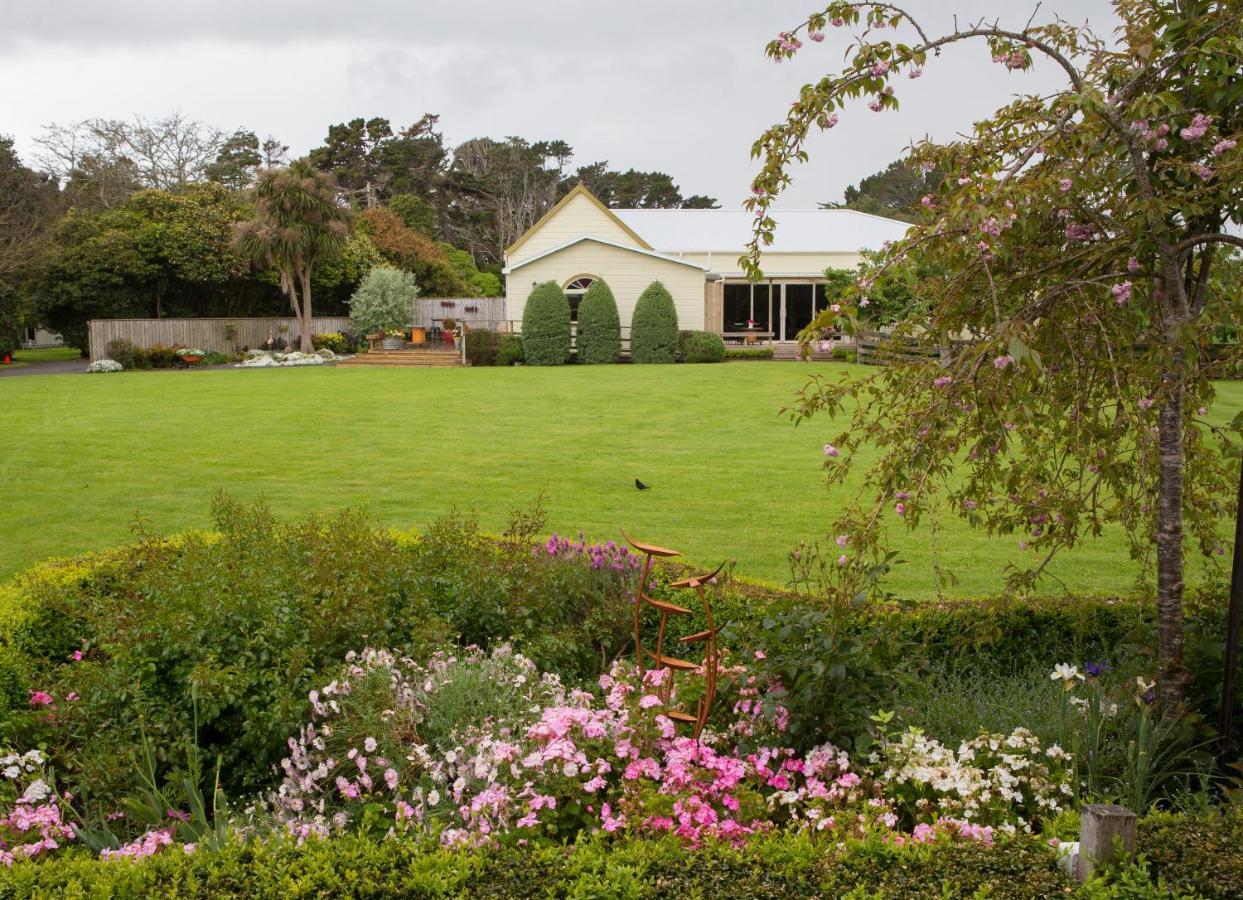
730,477
54,354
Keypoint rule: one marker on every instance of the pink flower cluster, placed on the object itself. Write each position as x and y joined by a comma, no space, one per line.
147,845
1197,129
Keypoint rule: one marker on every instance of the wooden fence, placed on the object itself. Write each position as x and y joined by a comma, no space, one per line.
203,334
874,348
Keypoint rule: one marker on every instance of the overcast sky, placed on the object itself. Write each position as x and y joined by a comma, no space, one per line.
676,85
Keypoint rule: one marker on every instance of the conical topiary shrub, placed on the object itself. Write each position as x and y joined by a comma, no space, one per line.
546,326
654,328
599,326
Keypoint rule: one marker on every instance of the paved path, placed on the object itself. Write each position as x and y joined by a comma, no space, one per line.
55,367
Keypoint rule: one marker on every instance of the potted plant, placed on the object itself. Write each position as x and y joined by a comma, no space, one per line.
393,338
448,327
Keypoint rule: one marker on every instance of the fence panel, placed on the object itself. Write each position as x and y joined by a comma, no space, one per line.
204,334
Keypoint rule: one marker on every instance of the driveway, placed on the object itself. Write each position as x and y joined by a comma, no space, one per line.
56,367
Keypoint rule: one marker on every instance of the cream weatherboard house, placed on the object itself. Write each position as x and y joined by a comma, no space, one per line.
694,252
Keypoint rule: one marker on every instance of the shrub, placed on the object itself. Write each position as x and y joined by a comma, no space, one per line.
510,351
843,354
126,353
790,867
331,340
482,346
546,326
654,327
749,353
104,366
214,358
701,347
161,356
599,326
384,300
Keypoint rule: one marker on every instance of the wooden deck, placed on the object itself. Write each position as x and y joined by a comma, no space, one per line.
421,357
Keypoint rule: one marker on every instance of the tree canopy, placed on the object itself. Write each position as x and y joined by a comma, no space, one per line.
1067,259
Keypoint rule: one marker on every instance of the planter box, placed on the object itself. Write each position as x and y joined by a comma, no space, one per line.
391,343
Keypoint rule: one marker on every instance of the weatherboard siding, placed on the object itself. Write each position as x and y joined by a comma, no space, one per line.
577,218
627,274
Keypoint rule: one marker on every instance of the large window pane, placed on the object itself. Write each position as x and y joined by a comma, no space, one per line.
737,306
798,309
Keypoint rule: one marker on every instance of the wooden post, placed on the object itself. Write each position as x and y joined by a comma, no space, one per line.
1100,826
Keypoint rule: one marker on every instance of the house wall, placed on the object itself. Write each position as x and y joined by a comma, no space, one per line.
627,274
577,218
774,265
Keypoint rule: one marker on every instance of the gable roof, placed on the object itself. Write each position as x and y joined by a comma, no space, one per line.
577,191
605,241
798,230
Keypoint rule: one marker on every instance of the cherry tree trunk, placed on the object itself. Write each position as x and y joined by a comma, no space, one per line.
1173,675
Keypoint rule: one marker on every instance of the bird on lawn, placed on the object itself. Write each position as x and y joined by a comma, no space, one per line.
640,485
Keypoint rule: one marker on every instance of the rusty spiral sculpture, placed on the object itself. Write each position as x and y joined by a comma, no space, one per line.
708,667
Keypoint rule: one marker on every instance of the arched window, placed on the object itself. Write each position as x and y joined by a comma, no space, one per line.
574,290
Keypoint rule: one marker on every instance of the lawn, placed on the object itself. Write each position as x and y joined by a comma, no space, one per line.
51,354
730,477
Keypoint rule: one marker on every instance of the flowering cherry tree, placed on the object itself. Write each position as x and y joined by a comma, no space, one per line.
1066,264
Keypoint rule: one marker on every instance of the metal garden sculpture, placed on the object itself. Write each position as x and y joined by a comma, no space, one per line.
708,667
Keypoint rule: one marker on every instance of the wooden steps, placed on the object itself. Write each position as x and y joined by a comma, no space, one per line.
412,357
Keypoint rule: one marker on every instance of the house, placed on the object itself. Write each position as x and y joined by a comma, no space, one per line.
694,252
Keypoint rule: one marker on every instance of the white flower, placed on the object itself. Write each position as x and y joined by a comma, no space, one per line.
37,791
1066,672
433,799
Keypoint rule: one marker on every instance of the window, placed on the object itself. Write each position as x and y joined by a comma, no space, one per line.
574,292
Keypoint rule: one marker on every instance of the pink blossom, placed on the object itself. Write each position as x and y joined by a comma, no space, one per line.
900,508
1222,146
41,698
841,560
649,701
1146,402
876,105
842,540
879,68
927,201
943,381
1161,144
1132,265
831,451
1065,185
1197,129
391,778
1121,292
760,654
1003,361
915,73
76,656
1205,172
828,121
816,36
369,745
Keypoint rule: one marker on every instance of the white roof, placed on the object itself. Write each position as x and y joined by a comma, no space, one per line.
599,240
798,230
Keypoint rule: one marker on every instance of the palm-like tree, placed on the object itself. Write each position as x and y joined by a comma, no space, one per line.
297,224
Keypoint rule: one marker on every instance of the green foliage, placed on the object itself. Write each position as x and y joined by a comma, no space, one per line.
510,351
748,352
546,326
478,284
482,346
843,354
654,326
384,300
599,326
125,352
248,620
414,212
331,340
1198,853
160,356
893,193
701,347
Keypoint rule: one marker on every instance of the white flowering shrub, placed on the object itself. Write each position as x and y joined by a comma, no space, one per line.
1006,781
104,366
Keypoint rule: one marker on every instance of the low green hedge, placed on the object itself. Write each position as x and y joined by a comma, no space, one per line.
784,866
748,352
700,347
1196,855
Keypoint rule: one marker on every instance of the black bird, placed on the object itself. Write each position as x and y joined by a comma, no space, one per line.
640,485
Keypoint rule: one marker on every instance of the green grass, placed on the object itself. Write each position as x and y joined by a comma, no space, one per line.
53,354
730,477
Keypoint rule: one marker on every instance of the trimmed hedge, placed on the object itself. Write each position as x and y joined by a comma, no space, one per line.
782,866
654,327
748,352
1192,854
546,326
701,347
599,326
510,352
482,346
